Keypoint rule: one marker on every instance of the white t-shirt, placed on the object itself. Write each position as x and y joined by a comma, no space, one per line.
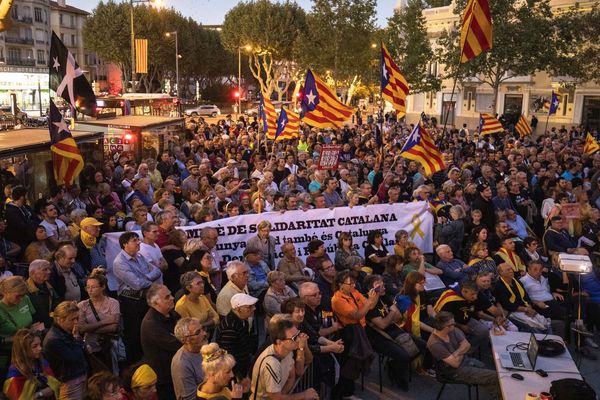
59,230
152,254
273,373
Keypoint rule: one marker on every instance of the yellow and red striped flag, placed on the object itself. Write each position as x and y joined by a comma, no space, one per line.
67,161
522,127
590,146
288,125
420,147
268,116
489,124
141,56
394,87
320,105
476,30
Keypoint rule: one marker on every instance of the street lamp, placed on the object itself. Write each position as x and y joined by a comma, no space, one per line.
239,97
131,3
169,34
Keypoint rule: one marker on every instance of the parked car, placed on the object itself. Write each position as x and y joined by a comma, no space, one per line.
7,112
203,110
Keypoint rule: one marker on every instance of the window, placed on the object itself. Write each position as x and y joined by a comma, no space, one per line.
26,12
38,14
469,100
72,21
29,54
15,12
483,102
60,19
41,56
14,54
73,42
565,101
26,33
40,35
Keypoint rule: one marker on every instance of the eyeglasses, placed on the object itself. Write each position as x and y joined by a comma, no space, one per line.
198,332
295,337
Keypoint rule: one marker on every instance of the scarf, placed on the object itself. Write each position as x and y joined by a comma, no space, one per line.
513,297
88,240
511,258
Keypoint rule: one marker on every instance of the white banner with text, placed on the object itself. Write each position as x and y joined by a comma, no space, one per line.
300,227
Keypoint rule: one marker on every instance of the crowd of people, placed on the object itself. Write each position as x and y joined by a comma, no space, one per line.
167,318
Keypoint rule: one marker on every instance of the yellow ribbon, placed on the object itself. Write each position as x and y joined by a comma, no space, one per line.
416,223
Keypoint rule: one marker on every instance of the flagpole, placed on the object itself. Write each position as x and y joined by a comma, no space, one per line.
455,77
547,119
381,103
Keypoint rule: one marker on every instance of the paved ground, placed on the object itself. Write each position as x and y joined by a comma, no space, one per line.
425,388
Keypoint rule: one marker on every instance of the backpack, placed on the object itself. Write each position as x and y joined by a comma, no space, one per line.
571,389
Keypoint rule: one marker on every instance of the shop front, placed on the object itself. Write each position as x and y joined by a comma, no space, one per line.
27,154
139,137
28,84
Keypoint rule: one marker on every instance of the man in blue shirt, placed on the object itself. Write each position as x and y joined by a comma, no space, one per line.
134,275
454,270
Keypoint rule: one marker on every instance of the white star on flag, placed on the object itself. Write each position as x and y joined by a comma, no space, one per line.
62,125
384,71
56,65
311,97
555,103
67,82
282,125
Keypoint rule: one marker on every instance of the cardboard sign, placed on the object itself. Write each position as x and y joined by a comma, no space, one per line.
570,211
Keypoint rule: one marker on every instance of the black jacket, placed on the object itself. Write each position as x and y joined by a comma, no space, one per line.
65,354
20,224
159,344
234,336
487,211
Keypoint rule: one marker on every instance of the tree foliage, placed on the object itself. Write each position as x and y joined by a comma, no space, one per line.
577,38
407,41
522,44
271,29
203,57
338,39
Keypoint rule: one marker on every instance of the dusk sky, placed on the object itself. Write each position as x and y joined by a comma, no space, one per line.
212,12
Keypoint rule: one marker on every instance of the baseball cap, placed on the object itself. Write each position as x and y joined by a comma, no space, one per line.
89,221
242,299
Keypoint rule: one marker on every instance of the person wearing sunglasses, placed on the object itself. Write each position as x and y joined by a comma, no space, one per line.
274,371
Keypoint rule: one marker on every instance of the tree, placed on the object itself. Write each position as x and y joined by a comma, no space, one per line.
407,41
578,44
107,33
271,30
338,39
522,44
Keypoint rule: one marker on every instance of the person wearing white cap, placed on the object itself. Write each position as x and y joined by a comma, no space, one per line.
234,335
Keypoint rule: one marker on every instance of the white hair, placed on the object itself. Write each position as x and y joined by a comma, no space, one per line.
305,287
234,267
38,264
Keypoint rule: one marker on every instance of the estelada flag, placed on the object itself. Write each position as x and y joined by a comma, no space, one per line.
590,146
67,79
420,147
522,127
489,124
476,30
288,125
268,116
394,87
320,106
66,158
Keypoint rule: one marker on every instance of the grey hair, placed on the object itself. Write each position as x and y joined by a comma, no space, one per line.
152,294
439,248
38,264
160,216
305,286
459,210
78,213
182,328
233,267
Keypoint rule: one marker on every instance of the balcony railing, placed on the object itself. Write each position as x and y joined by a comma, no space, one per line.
41,62
18,40
41,41
17,61
25,20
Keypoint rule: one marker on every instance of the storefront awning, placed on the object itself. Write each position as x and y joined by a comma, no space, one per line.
23,141
138,122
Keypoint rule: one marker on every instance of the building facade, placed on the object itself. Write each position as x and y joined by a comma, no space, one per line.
25,50
580,104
